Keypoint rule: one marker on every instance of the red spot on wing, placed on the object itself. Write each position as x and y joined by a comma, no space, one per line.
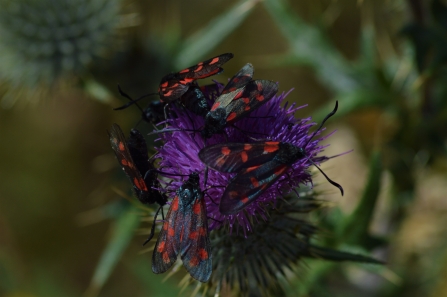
140,184
254,182
194,261
244,156
271,146
203,254
166,258
196,208
231,116
247,108
124,162
165,225
214,61
202,231
167,94
280,169
171,232
121,146
247,147
252,168
239,94
260,97
198,68
246,100
174,86
225,150
174,204
164,85
215,71
186,81
161,246
184,71
215,106
244,200
233,194
194,235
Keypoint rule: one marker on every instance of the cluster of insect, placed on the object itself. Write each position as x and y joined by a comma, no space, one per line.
257,164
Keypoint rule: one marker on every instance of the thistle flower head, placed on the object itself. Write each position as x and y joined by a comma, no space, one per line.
45,41
273,122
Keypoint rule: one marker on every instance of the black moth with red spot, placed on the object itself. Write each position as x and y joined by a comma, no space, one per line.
181,85
133,157
185,232
174,85
240,96
258,165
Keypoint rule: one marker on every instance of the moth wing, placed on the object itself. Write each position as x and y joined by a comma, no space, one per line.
235,86
255,94
196,248
167,247
122,152
207,68
171,87
138,150
248,184
232,157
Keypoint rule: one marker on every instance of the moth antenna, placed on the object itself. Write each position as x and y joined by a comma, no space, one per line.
132,101
324,121
153,227
327,178
162,213
210,218
212,200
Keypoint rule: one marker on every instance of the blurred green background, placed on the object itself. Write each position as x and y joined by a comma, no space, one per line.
60,63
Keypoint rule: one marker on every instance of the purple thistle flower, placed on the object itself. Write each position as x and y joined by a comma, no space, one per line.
179,155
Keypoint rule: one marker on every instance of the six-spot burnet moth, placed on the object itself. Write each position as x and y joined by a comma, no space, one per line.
258,165
185,232
174,85
133,157
182,85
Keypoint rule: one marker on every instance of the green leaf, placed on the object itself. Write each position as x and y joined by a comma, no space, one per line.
123,232
202,42
319,252
367,57
313,48
355,229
